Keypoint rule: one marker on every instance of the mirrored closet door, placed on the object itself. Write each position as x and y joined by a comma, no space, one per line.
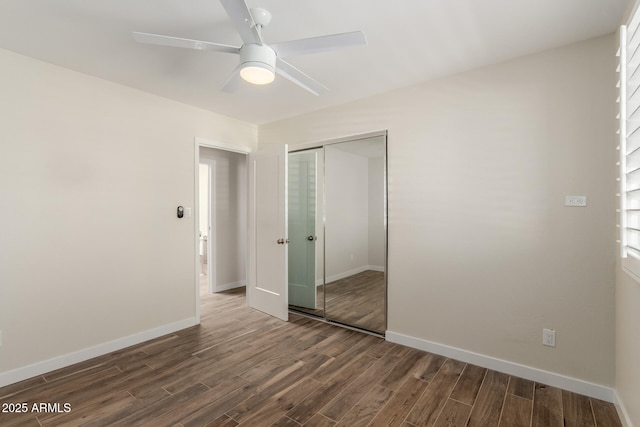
337,232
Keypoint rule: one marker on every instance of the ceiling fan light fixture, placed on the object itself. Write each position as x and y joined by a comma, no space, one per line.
257,59
258,64
257,73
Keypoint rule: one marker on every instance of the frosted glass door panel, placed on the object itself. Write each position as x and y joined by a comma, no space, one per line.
303,196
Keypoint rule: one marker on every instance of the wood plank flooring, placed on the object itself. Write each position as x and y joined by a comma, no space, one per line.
243,368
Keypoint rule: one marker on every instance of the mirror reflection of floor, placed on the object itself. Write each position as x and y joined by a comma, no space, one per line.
357,300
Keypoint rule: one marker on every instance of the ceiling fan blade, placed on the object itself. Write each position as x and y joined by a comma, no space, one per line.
319,44
296,76
240,14
185,43
232,82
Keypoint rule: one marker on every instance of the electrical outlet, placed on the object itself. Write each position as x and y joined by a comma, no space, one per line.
549,337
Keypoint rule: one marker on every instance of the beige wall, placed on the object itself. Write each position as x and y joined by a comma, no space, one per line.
91,174
628,344
482,252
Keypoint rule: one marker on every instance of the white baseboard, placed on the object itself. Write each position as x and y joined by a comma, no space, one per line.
227,286
622,412
534,374
39,368
348,273
344,274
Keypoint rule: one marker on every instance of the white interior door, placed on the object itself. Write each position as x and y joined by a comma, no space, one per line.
267,287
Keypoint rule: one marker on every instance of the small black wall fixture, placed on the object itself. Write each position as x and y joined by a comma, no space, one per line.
180,211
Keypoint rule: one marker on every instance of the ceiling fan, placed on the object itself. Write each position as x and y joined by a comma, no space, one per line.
260,62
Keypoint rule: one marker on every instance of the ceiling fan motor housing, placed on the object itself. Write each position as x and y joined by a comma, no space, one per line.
261,17
257,56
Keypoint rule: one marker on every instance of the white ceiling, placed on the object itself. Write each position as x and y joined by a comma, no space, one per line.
409,41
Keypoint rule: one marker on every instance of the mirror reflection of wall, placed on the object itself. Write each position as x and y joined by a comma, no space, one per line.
355,290
350,282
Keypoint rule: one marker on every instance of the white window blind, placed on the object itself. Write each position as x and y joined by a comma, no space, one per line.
629,145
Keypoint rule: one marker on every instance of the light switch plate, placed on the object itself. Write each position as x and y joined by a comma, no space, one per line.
575,201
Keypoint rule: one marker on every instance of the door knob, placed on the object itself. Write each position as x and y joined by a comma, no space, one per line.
311,238
282,241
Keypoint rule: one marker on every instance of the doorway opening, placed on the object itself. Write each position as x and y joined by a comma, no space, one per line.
221,225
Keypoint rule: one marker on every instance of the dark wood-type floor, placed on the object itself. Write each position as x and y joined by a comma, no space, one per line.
357,300
241,367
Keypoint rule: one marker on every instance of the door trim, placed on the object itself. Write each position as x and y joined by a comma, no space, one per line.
207,143
211,232
319,144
